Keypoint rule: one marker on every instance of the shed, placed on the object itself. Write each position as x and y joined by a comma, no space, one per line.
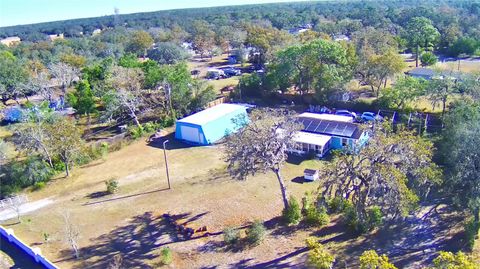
210,125
310,174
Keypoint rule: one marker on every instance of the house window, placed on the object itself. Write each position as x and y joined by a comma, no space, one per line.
305,147
344,142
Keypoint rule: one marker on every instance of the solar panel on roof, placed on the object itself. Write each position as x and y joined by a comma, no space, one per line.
328,127
350,130
338,130
312,127
320,127
323,127
306,123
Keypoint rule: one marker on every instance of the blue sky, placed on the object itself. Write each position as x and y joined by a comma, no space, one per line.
14,12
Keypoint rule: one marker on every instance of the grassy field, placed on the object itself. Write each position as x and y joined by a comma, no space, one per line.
201,190
467,66
202,194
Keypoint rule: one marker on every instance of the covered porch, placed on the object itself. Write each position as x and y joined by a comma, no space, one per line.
310,143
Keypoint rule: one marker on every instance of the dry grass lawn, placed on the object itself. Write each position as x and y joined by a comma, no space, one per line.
467,66
201,188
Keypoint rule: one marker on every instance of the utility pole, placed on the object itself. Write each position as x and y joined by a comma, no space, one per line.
166,163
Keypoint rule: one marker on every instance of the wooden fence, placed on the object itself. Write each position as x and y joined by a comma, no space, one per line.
217,101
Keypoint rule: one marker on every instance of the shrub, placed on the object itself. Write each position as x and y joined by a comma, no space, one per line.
370,259
112,185
58,165
374,217
231,235
256,232
292,214
151,127
104,147
454,261
22,174
136,132
167,122
352,220
38,186
428,58
337,205
471,232
166,256
314,216
318,256
312,242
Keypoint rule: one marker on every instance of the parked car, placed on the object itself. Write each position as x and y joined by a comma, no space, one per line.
369,116
231,71
195,72
215,74
343,112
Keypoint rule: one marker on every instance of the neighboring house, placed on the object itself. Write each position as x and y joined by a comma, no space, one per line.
324,132
324,116
239,55
298,30
55,37
210,125
96,32
188,46
341,38
10,41
428,74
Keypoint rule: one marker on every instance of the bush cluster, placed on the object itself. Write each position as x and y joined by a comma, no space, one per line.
314,214
318,257
292,214
231,236
22,174
373,219
166,256
112,185
471,232
254,234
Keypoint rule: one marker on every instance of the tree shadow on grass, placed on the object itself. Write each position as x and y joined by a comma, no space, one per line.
411,242
138,242
97,194
278,263
294,159
299,180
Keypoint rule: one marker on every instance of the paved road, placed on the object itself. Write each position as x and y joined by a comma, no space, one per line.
9,213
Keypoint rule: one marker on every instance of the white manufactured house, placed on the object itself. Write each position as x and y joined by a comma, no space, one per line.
324,132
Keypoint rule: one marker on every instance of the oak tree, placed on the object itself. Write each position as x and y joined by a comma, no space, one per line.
261,145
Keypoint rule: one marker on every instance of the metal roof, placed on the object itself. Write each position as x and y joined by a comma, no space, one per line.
211,113
311,138
331,117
